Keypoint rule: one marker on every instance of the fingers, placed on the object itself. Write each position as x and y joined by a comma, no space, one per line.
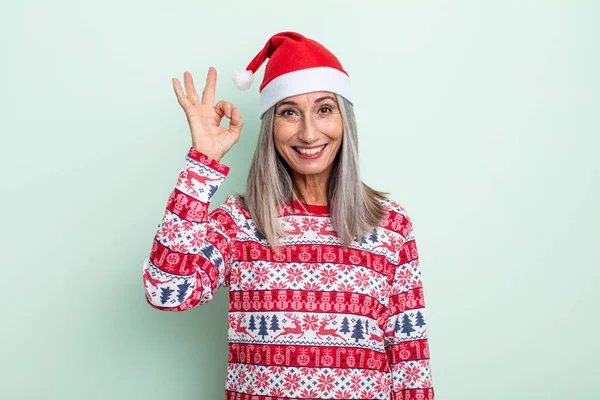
189,88
236,123
208,94
224,108
183,101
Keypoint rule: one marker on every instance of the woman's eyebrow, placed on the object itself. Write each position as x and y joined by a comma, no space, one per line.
324,98
293,103
289,102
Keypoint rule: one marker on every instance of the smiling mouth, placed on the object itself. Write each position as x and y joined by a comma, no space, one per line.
309,152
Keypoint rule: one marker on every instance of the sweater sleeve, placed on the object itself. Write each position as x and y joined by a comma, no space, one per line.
406,342
191,251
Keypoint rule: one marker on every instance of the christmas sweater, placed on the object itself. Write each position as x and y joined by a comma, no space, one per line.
311,321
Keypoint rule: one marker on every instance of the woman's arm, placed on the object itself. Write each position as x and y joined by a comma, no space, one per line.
406,330
190,254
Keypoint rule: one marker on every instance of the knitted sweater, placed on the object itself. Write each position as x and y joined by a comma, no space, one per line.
313,321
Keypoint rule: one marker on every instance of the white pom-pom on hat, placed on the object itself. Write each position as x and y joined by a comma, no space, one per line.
242,78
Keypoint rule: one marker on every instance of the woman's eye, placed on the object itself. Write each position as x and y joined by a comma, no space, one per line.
287,112
326,108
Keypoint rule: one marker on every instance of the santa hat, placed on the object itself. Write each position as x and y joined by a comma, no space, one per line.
296,65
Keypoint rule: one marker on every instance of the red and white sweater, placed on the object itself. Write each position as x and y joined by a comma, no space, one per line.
313,321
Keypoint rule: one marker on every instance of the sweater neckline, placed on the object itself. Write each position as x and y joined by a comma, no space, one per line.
314,209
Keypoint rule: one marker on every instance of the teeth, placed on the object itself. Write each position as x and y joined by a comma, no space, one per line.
310,152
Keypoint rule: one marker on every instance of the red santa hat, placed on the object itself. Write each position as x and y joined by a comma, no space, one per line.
296,65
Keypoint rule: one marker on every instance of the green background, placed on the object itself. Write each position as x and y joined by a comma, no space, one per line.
480,118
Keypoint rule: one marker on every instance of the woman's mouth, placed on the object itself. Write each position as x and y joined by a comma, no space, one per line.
309,152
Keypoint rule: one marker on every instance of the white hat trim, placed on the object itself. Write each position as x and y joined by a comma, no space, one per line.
307,80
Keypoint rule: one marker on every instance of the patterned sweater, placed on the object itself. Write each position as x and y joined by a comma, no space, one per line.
312,321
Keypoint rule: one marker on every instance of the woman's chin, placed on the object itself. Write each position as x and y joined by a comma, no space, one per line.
309,168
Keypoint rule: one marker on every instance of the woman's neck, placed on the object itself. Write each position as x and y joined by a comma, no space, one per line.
311,189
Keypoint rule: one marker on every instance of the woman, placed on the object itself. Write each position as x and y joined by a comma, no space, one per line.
324,283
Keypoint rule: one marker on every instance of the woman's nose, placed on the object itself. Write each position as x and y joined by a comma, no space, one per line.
309,129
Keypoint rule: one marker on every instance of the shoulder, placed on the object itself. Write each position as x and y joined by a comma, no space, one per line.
393,208
233,207
391,205
397,219
233,203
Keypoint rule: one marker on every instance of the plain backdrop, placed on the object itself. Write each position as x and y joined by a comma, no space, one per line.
479,117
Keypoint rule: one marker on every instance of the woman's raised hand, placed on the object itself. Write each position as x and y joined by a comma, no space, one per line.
204,117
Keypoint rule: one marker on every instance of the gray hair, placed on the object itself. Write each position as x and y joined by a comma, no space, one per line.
355,208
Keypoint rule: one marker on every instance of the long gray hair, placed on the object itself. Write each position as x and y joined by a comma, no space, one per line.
354,207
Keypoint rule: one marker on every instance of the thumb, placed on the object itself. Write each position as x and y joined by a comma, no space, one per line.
236,122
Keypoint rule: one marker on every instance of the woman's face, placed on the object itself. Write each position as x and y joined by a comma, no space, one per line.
308,131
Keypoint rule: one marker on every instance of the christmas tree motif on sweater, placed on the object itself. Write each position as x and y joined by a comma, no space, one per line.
406,325
374,238
165,293
274,323
212,190
262,327
345,327
207,251
251,325
357,331
182,290
420,320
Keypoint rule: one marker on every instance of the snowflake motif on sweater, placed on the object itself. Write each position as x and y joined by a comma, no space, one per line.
312,321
